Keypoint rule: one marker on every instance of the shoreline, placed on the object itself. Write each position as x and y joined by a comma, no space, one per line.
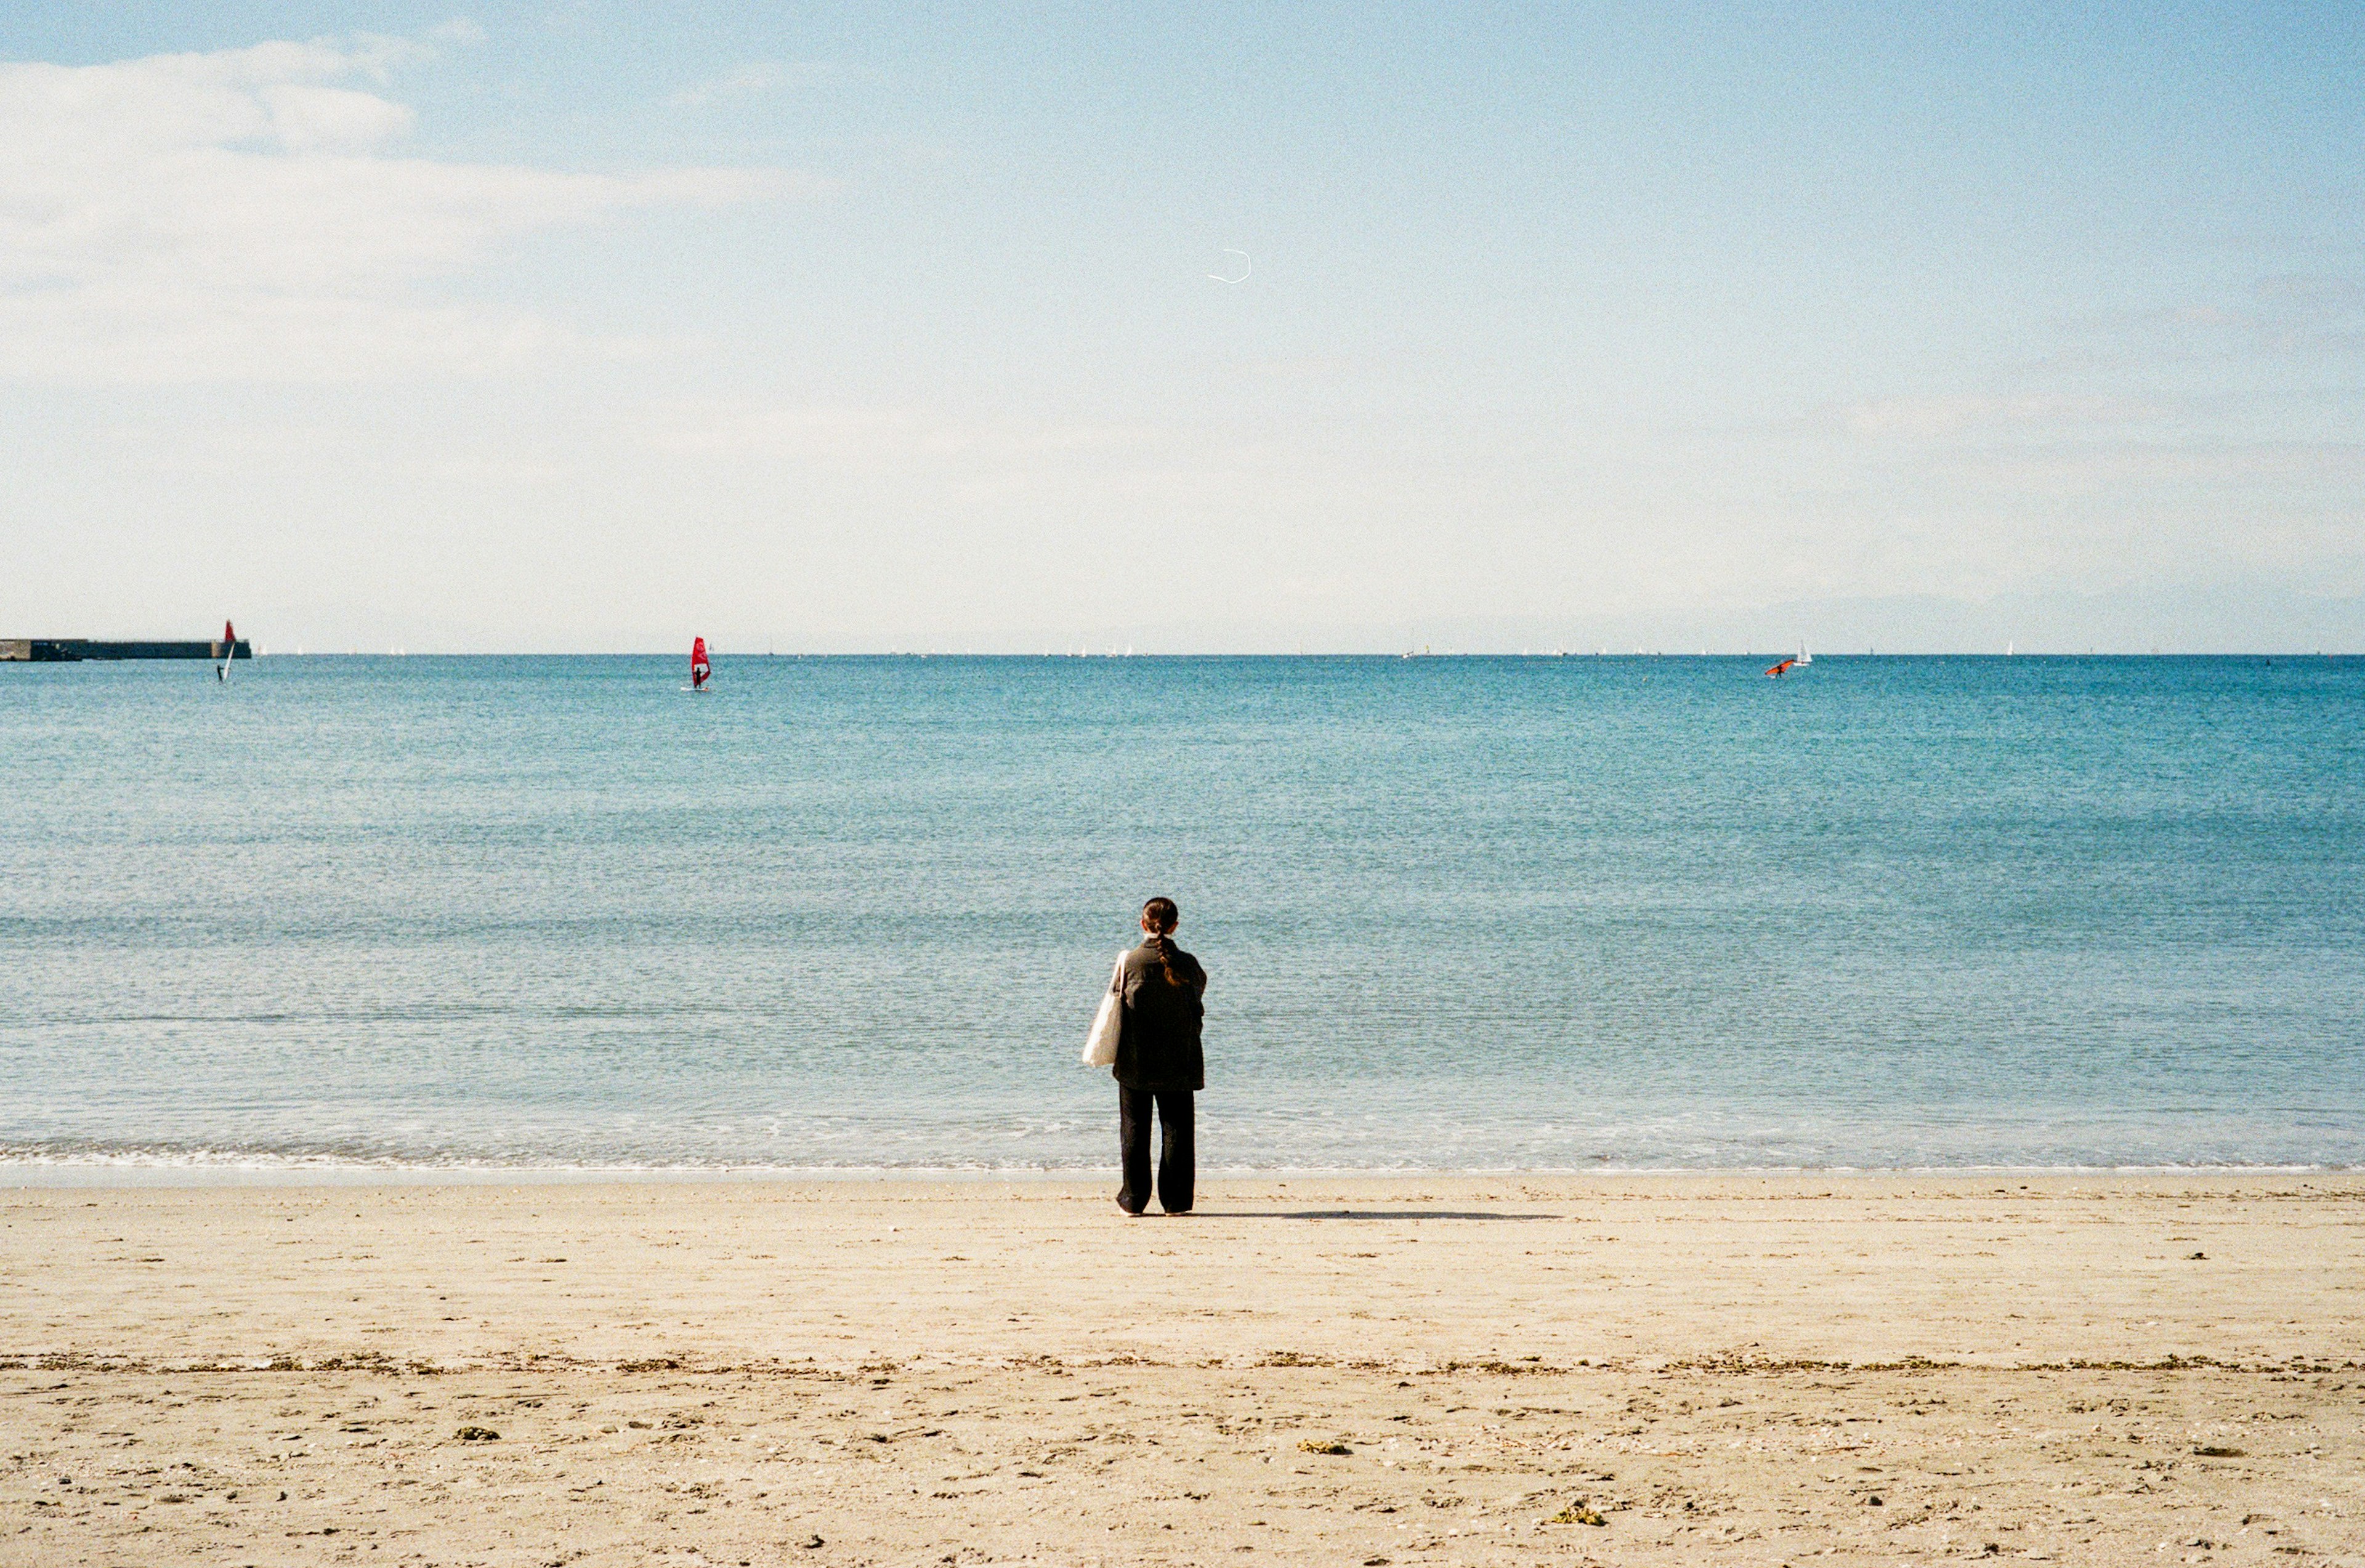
35,1175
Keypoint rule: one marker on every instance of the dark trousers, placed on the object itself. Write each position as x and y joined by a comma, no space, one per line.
1176,1157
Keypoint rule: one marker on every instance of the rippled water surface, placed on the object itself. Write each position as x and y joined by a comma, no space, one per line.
1460,913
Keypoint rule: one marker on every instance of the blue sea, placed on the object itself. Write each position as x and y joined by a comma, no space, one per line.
1461,914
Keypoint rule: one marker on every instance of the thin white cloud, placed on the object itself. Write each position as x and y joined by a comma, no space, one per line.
2285,317
1928,417
2200,471
929,446
306,119
752,80
244,215
941,456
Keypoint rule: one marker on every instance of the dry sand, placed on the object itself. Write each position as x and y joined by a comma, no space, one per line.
1719,1370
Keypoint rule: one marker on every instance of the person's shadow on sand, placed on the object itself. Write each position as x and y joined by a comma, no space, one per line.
1361,1214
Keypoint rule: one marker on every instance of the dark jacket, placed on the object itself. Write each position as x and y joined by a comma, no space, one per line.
1158,1045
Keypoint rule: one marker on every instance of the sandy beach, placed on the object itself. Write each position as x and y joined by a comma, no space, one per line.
1615,1370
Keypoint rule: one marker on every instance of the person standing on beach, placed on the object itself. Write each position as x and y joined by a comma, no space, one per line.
1157,1061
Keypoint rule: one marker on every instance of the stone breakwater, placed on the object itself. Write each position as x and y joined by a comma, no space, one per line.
73,650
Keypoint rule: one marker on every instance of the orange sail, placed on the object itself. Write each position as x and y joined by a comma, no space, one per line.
1782,668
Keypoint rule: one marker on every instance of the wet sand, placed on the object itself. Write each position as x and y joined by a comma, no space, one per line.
1731,1370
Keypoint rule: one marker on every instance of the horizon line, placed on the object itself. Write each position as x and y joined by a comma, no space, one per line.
720,653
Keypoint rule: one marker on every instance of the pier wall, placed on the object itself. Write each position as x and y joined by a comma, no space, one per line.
73,650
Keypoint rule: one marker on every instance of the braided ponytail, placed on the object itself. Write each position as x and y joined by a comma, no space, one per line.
1159,916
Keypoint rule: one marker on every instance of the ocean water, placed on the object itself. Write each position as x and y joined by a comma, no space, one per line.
854,914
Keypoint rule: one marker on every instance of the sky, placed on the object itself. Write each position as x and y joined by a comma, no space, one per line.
577,326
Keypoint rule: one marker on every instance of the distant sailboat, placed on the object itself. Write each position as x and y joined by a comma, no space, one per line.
700,671
1804,658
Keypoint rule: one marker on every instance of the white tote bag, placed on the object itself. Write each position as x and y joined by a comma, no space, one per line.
1100,1045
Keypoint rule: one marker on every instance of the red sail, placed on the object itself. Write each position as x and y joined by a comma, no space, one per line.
230,632
697,651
